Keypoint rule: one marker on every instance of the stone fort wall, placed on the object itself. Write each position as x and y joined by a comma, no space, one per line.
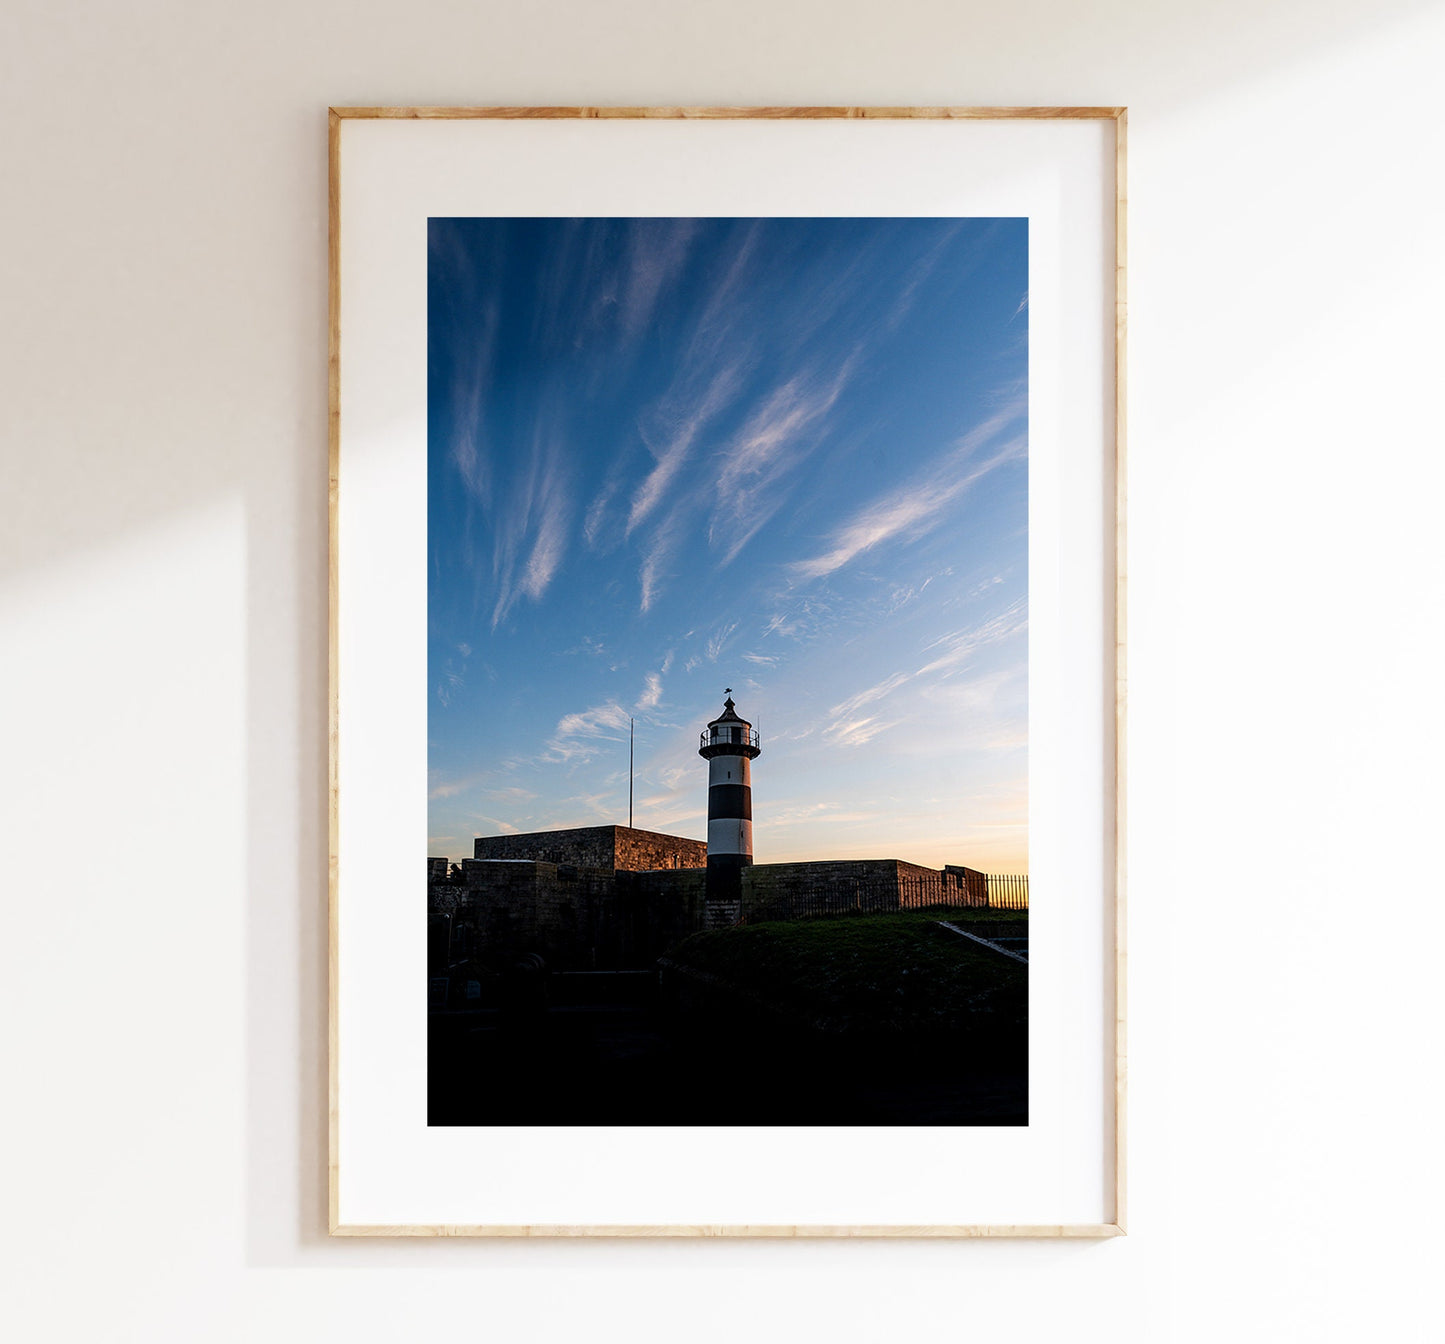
620,847
612,897
563,912
765,883
579,918
640,851
833,885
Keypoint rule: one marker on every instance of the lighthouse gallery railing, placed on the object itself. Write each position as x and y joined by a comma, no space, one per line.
724,737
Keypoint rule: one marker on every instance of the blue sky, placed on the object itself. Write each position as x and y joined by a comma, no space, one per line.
787,456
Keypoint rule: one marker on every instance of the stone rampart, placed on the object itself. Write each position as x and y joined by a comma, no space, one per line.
559,911
820,883
615,898
584,846
579,918
621,847
444,896
639,851
667,906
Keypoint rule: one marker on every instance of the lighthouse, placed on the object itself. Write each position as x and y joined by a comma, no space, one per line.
729,745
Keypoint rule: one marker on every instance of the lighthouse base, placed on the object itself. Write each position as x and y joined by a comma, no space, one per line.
722,914
724,901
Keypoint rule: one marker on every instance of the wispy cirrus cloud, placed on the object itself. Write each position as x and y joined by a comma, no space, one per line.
718,641
658,554
512,793
585,809
954,650
784,429
548,546
728,342
573,287
452,680
717,325
498,824
701,393
657,252
580,736
651,695
472,353
802,619
531,532
468,448
682,419
850,726
920,272
918,506
453,674
855,732
450,788
906,594
847,709
795,814
594,525
527,511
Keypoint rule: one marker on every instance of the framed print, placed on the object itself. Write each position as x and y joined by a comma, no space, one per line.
727,604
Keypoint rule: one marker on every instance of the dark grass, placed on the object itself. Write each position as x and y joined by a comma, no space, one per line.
847,1020
962,913
872,974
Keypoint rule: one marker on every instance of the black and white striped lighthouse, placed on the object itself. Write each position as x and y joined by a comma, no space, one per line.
729,745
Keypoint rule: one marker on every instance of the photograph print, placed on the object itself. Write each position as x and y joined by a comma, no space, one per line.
728,606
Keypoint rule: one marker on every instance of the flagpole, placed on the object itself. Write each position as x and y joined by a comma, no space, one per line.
631,734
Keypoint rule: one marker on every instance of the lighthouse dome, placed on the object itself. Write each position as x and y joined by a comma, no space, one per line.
729,734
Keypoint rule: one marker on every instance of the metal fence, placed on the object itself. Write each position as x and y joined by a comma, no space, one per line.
1008,891
979,891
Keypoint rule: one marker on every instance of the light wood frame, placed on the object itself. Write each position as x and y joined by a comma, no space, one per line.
1119,116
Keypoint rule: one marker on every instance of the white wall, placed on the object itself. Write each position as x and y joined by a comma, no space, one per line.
162,591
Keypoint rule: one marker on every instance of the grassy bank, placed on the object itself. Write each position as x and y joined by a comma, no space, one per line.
870,974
